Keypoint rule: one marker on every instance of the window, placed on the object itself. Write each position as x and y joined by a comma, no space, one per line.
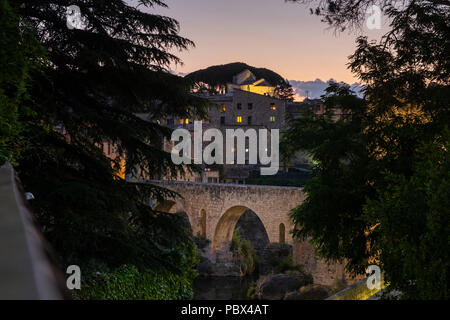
170,122
250,106
272,119
239,119
224,108
181,121
222,120
203,223
273,106
239,106
187,121
282,233
249,120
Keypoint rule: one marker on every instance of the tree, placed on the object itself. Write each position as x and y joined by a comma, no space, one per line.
335,225
98,79
284,91
416,209
214,79
349,14
369,162
18,56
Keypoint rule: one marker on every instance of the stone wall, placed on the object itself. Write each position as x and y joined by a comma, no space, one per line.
322,272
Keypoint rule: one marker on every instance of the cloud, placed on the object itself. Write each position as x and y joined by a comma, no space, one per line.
180,74
314,89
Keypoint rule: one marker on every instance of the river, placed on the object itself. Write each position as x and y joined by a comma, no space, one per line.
221,288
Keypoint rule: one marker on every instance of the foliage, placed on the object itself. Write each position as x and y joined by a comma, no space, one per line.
284,91
247,254
349,14
370,171
98,80
288,265
420,250
217,77
333,178
201,241
251,291
129,283
19,55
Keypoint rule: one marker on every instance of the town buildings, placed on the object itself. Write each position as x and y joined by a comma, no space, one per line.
249,103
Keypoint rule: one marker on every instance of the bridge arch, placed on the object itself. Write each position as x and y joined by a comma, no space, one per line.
226,225
173,207
168,206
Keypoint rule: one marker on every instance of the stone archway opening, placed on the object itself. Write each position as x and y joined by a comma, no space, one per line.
168,206
249,224
252,229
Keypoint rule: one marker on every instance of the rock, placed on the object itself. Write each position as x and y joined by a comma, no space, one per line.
205,267
276,287
271,255
310,292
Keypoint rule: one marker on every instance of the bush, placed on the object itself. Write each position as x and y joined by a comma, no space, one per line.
288,265
246,253
128,283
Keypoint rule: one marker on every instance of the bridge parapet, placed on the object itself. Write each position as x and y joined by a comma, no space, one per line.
26,269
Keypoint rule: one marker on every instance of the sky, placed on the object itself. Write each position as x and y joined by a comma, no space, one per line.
280,36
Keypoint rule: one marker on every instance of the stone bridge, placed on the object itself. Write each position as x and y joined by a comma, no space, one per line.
213,209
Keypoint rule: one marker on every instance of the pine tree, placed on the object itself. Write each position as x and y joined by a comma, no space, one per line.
98,78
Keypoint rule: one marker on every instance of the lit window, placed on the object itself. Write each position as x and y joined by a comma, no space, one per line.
224,108
273,106
187,121
181,121
272,119
239,119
